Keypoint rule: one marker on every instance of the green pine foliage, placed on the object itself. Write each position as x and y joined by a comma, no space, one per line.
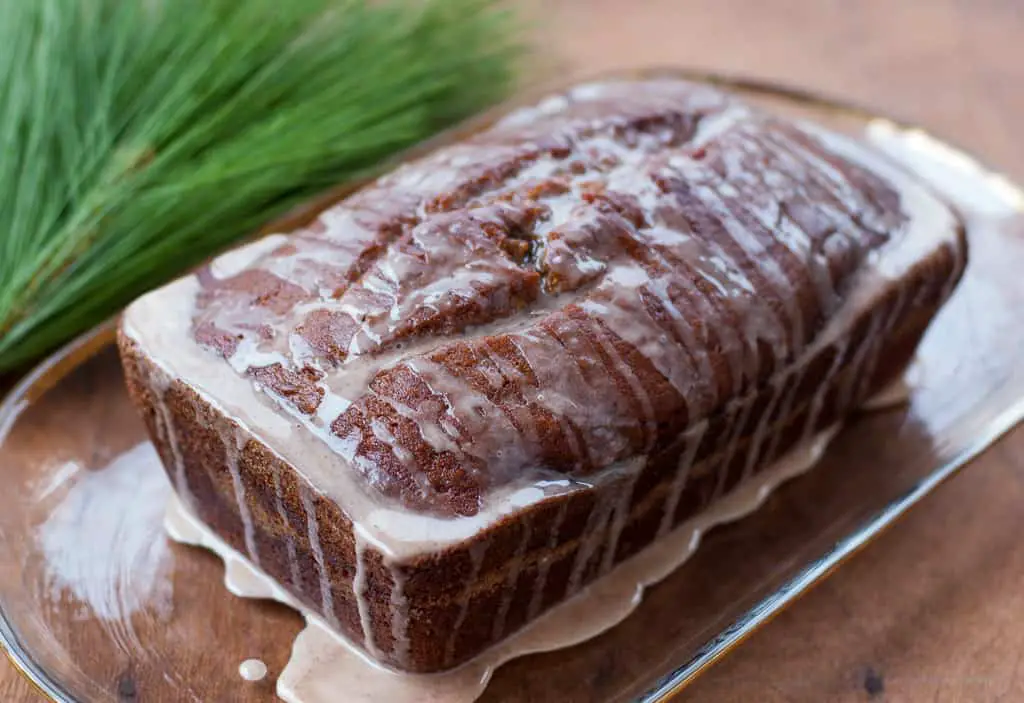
137,137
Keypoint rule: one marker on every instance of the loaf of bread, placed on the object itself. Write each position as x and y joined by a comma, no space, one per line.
474,386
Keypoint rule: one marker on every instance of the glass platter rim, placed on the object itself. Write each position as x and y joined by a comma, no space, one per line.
41,378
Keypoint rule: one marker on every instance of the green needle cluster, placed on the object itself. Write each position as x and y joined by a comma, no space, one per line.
137,137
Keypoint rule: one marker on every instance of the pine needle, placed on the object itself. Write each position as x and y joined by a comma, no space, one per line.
137,137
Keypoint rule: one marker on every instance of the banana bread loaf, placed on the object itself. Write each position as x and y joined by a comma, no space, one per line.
474,386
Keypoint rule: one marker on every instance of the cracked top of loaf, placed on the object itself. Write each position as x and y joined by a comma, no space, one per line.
561,293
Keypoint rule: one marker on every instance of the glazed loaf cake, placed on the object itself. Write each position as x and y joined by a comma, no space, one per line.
471,388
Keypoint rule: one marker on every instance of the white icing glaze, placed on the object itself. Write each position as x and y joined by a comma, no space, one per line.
932,225
770,328
233,262
252,670
949,171
323,663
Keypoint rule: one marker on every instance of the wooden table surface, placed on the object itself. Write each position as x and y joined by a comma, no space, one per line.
935,610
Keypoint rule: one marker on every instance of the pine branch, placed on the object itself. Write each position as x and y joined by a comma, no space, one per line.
138,138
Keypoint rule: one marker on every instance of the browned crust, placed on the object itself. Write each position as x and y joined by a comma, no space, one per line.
437,584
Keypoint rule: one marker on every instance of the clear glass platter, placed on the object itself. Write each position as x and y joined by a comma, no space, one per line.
96,605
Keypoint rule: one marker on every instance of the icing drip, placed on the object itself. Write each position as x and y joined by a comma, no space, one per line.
509,587
313,533
852,379
739,421
252,670
637,389
785,410
166,428
359,591
663,240
778,384
292,550
818,400
399,616
233,446
749,245
476,556
868,373
693,438
593,534
898,392
537,599
618,521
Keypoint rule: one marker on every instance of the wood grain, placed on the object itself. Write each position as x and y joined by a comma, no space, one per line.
934,610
